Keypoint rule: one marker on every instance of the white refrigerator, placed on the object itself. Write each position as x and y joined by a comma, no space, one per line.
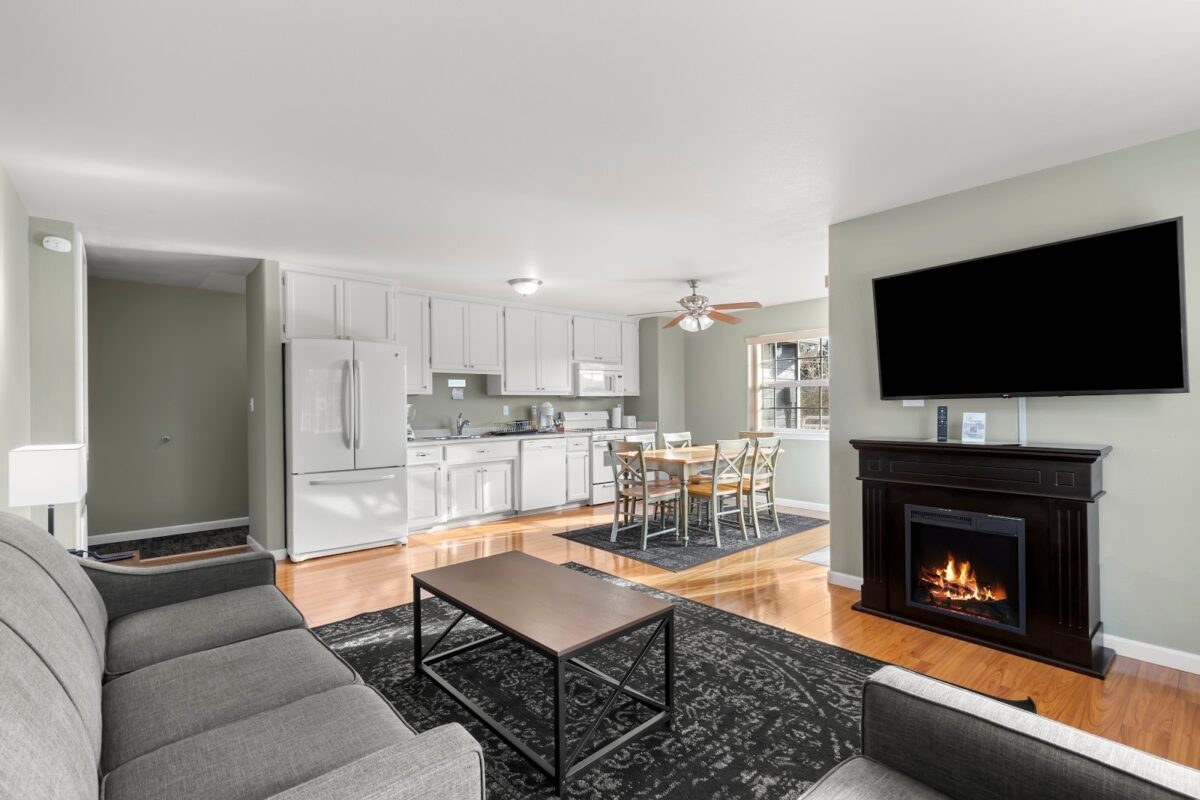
346,446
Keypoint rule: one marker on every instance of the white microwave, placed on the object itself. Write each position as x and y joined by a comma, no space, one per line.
598,380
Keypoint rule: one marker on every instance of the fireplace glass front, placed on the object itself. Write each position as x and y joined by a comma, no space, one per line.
966,565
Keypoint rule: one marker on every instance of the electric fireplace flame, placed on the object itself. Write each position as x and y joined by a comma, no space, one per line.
955,582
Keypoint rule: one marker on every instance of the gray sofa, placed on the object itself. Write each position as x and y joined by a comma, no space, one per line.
927,740
195,681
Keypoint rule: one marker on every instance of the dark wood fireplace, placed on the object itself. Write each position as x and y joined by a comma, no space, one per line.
995,544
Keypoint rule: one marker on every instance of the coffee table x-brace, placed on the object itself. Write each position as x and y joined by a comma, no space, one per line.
562,615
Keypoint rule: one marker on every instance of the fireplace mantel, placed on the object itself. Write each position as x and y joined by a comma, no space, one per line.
1053,488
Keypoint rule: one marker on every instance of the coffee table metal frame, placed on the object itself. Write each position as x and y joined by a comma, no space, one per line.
567,765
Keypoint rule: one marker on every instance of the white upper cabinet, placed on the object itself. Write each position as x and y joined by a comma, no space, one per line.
554,353
631,360
367,311
597,340
485,337
312,306
466,337
410,327
537,354
324,307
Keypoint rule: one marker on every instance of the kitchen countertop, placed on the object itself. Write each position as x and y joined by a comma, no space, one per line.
424,441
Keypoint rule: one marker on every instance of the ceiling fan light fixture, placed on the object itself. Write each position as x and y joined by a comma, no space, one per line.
524,286
694,323
705,321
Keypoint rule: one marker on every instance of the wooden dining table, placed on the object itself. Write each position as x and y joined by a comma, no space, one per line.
682,463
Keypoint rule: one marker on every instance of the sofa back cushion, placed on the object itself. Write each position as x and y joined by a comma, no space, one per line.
63,568
38,612
966,745
45,751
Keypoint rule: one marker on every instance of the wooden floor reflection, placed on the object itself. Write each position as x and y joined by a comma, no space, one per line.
1147,706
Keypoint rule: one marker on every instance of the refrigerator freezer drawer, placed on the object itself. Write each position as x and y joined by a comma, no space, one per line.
335,512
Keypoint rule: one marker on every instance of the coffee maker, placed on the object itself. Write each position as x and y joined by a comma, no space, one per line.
544,416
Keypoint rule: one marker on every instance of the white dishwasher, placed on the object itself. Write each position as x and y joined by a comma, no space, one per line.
543,473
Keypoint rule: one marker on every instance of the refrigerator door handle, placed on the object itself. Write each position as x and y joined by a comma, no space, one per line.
347,402
351,481
358,401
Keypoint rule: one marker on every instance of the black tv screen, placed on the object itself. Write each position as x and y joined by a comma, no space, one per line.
1101,314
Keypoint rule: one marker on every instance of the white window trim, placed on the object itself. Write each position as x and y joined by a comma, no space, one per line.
752,343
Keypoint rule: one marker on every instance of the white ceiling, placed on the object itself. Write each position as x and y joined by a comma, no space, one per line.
219,273
611,148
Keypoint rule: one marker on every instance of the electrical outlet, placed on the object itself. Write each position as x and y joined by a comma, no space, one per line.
504,411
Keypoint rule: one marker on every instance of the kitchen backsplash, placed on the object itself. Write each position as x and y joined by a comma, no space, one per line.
438,410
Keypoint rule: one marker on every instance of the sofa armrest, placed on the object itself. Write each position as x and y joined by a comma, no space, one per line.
445,763
129,589
966,744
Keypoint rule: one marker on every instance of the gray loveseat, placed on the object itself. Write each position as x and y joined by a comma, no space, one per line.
927,740
195,681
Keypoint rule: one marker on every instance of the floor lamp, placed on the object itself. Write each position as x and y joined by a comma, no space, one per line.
47,475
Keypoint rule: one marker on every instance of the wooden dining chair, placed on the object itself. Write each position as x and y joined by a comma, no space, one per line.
672,441
760,479
725,483
646,440
633,485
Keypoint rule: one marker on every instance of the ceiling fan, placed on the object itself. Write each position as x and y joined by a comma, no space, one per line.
698,314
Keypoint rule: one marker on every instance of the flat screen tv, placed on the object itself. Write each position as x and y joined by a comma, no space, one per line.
1102,314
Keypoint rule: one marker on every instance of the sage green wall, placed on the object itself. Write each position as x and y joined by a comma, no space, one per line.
663,393
14,331
437,410
169,361
264,425
1148,530
55,281
718,392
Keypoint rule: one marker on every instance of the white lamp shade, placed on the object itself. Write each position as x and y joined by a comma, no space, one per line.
47,474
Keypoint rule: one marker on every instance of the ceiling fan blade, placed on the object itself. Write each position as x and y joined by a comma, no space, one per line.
654,313
732,320
727,306
677,320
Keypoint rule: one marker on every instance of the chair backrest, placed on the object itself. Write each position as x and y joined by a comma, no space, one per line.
765,459
642,438
756,434
674,440
628,465
51,668
729,461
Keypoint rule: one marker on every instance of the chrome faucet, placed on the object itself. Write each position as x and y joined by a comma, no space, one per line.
462,423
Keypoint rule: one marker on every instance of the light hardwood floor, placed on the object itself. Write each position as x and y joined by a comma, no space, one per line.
1147,706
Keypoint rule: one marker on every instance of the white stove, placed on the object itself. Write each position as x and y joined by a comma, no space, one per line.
595,424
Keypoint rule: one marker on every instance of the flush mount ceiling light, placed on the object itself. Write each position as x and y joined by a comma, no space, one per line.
524,286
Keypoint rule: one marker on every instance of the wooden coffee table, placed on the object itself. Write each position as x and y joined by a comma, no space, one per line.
561,614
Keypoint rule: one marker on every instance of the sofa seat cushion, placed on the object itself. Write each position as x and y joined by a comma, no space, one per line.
862,778
264,754
157,634
172,700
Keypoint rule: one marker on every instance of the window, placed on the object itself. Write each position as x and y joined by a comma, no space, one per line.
789,382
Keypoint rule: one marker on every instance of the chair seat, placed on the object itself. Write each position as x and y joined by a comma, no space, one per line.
157,634
654,489
267,753
706,489
172,700
760,485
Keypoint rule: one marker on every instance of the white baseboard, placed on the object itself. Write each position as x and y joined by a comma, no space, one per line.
844,579
1154,653
279,555
168,530
811,506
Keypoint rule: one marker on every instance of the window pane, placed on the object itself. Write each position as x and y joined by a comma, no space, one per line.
786,350
785,398
785,369
767,353
810,396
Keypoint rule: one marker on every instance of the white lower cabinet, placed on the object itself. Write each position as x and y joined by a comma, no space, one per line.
474,490
426,496
579,475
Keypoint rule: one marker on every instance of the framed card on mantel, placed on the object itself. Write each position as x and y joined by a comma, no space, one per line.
974,428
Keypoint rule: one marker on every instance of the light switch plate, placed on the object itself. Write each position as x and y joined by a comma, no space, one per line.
504,411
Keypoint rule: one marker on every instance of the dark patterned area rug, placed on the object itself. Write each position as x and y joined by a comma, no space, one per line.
760,712
178,543
668,553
